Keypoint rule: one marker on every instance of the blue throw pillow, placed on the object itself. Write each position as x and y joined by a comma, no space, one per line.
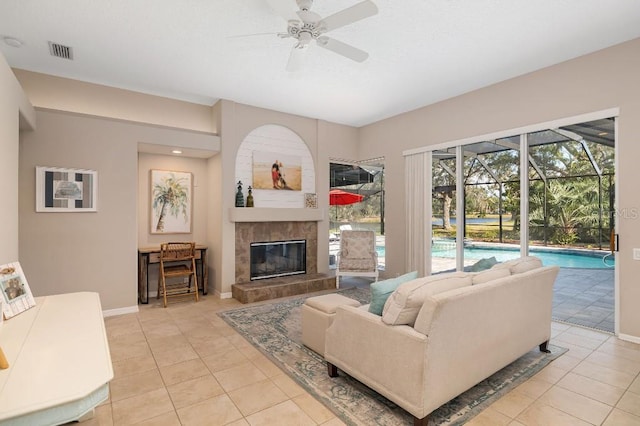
381,290
482,264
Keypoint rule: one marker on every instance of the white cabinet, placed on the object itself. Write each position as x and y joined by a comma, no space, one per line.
59,361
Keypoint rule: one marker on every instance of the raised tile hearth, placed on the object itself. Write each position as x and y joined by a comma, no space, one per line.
273,288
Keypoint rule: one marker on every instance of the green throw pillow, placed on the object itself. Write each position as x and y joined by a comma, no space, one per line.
381,290
483,264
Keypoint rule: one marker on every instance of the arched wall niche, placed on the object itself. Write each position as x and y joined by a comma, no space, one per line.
275,142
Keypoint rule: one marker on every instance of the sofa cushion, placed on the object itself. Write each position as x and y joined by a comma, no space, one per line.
328,303
403,305
381,290
483,264
489,275
520,265
526,264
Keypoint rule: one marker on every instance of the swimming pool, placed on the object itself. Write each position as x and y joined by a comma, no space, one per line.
564,258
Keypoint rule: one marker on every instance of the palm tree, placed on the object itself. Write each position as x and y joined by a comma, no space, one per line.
571,206
171,194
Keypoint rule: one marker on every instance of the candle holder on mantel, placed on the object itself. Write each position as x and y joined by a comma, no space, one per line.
239,195
249,198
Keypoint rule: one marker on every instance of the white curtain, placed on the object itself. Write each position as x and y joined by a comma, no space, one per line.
418,212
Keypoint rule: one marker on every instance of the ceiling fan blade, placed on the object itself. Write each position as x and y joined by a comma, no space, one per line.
308,16
296,58
284,8
256,35
343,49
349,15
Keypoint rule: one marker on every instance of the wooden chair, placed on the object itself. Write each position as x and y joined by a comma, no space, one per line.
177,262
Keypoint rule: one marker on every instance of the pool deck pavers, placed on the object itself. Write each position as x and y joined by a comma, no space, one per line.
585,297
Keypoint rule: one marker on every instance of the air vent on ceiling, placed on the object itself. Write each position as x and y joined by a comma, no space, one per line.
60,51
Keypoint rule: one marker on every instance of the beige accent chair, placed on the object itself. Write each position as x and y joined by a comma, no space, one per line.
357,256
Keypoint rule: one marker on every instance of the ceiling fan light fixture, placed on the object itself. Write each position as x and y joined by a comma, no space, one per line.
312,27
305,37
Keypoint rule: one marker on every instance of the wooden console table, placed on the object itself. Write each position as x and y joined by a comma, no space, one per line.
150,255
59,361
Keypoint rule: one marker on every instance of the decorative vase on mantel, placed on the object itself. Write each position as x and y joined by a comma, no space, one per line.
249,198
239,195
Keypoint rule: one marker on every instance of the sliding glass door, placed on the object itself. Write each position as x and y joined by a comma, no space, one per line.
548,192
444,220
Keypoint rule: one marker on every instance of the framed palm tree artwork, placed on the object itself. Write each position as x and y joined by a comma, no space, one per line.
171,202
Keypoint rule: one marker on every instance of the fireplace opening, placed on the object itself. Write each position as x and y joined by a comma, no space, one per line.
278,259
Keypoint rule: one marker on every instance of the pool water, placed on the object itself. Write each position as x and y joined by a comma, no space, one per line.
564,259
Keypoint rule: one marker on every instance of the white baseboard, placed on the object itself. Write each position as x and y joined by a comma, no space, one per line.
629,338
120,311
226,295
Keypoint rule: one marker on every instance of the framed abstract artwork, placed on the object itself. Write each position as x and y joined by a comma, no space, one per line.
16,294
66,190
171,202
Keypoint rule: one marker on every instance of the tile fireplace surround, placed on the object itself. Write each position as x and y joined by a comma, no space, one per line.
247,291
254,232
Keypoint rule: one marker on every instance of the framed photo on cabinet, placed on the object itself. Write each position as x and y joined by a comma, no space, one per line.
16,294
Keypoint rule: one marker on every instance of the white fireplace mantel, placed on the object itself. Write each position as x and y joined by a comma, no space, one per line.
257,214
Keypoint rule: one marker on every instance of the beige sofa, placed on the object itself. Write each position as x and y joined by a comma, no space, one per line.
440,335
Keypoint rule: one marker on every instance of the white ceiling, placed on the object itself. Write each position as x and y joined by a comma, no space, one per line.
421,51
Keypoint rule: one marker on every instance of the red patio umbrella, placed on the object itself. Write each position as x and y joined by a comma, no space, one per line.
338,197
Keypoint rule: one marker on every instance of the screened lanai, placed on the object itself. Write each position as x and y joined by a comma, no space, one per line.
365,179
570,215
571,187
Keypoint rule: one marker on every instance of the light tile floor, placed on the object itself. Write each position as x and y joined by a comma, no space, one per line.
184,365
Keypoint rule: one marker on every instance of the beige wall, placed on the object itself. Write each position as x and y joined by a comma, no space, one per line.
236,122
603,80
14,109
599,81
199,218
198,168
104,141
66,252
63,94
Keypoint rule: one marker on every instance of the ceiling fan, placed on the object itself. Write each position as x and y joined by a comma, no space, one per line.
306,26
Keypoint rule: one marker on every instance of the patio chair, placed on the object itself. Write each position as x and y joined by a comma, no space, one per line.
357,256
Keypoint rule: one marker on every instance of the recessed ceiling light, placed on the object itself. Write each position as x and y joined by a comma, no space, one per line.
12,41
177,151
603,134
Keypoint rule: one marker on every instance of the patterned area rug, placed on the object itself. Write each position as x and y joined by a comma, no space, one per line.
275,329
